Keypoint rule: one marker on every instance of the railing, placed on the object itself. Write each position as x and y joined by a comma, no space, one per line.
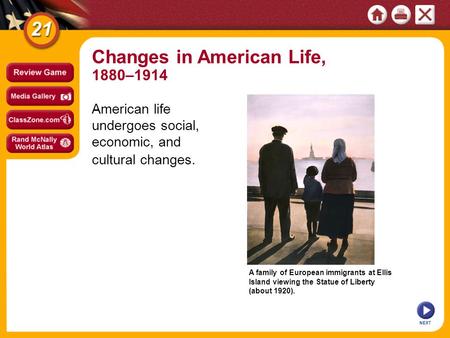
254,194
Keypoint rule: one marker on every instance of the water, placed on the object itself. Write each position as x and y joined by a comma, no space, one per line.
365,179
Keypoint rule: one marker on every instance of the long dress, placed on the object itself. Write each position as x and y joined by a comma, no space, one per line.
336,214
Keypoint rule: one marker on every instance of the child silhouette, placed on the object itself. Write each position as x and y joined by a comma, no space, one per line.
312,196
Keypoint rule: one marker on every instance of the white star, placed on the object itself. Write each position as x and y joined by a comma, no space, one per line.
27,13
13,21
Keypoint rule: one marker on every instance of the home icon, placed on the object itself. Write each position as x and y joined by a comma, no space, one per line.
377,14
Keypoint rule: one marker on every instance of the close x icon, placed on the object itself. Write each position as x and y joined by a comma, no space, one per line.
425,14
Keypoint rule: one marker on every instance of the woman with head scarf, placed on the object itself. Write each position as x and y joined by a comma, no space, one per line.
336,215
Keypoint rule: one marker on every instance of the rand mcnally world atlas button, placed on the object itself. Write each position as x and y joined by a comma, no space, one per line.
39,72
39,143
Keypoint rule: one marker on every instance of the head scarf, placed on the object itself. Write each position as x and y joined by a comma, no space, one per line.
339,151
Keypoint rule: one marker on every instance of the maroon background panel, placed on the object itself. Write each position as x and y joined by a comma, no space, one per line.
253,14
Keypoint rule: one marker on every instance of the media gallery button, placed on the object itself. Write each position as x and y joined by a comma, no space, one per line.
39,96
39,119
39,143
425,310
39,72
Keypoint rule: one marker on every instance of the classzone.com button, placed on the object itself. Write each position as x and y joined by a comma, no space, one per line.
39,119
39,96
39,143
39,72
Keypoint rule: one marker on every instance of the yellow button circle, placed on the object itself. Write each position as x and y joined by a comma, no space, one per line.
41,30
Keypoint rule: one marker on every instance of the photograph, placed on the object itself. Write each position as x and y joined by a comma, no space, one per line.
310,179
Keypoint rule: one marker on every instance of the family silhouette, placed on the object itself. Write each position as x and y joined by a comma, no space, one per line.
329,210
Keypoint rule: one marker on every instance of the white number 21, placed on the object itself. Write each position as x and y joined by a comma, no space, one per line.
38,28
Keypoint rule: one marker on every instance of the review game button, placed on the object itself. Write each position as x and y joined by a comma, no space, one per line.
39,143
39,119
39,96
39,72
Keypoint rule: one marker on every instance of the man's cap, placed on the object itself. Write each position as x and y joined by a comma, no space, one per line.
279,130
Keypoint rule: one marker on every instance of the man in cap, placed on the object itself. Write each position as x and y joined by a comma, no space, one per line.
278,180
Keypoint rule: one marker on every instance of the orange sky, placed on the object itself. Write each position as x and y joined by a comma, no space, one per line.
316,119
